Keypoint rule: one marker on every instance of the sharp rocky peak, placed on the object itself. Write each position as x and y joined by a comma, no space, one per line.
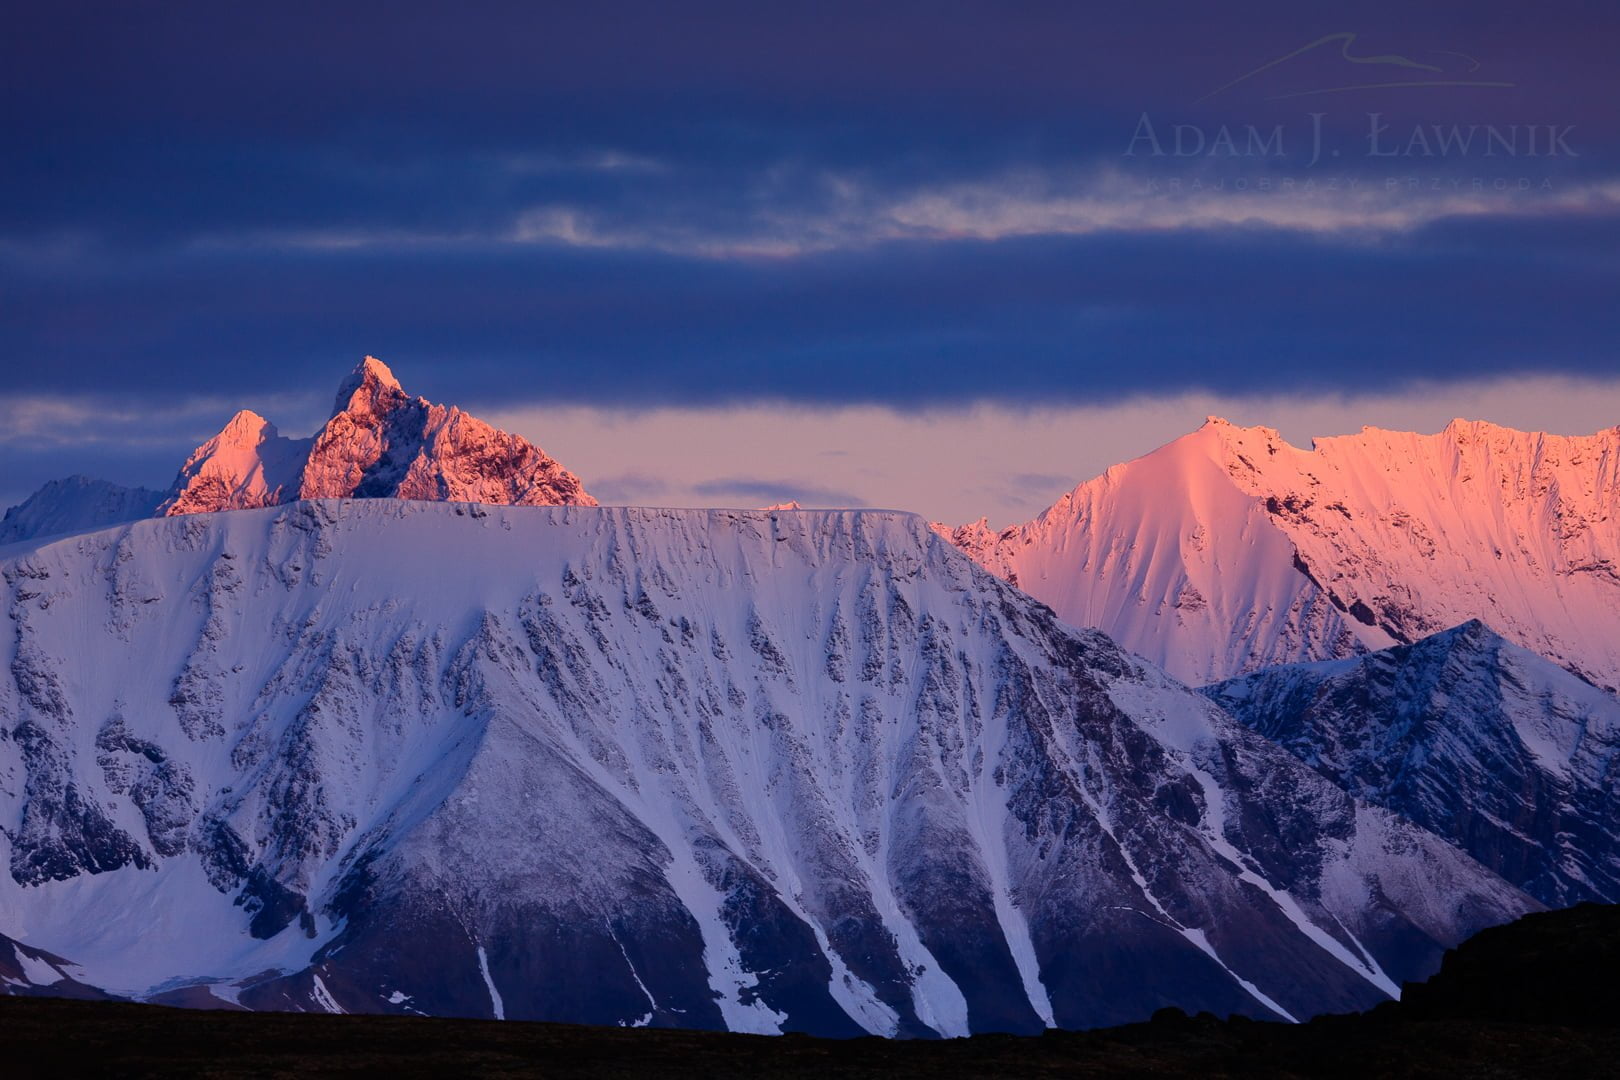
369,385
1474,630
380,442
246,428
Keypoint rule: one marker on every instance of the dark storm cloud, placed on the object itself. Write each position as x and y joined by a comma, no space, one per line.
1033,319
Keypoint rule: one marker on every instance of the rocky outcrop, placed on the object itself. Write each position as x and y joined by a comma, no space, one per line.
1503,753
379,443
29,972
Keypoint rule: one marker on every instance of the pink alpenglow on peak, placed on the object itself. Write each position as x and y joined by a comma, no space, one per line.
247,465
380,443
1228,549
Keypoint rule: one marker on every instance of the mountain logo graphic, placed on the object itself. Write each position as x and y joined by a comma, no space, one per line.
1365,72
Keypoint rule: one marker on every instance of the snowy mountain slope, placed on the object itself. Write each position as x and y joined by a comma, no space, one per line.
1229,550
26,971
76,504
1487,744
247,465
379,443
771,771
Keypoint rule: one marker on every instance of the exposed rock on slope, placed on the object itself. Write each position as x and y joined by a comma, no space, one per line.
1510,757
30,972
379,443
1229,550
1536,997
806,771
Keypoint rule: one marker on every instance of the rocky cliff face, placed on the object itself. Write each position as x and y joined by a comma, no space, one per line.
761,770
1510,757
379,443
1230,550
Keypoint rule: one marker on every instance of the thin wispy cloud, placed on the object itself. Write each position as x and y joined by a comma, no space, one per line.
583,161
851,216
43,420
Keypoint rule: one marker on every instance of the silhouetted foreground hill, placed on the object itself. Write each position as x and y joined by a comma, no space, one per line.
1535,998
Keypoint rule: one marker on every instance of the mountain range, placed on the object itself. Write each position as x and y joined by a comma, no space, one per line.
1229,550
395,719
379,442
766,771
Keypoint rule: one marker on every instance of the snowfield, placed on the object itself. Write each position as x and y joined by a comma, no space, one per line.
1229,550
769,771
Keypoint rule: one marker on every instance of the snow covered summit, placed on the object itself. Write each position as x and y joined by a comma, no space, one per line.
379,443
76,504
1228,550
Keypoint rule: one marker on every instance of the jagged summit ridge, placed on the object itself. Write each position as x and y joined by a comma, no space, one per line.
1230,549
1500,751
380,442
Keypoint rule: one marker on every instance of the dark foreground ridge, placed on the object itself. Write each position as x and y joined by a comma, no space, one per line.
1535,998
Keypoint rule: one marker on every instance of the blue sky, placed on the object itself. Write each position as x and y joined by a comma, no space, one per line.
911,207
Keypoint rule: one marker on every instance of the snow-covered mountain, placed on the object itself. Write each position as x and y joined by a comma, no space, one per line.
379,443
1229,550
762,770
76,504
1507,755
31,972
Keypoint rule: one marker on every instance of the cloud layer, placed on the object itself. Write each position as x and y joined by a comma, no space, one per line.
908,207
